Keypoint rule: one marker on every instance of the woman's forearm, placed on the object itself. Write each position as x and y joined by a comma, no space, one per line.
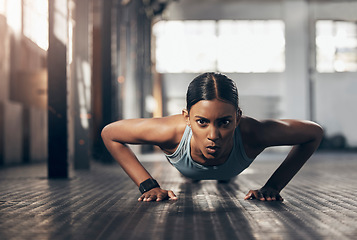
127,160
296,158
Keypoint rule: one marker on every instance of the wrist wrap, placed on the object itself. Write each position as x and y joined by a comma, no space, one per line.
147,185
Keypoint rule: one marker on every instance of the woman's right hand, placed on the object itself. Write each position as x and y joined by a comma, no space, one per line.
157,194
264,194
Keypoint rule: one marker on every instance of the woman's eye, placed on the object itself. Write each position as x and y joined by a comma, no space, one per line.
225,122
201,122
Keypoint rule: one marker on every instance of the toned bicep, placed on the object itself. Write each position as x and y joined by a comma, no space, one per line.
288,132
141,131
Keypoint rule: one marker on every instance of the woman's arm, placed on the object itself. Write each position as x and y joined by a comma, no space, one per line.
305,136
157,131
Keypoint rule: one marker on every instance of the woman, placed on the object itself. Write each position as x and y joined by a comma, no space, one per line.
212,140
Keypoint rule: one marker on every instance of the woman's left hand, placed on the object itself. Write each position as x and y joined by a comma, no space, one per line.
264,194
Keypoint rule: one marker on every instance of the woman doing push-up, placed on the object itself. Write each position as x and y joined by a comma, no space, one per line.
211,139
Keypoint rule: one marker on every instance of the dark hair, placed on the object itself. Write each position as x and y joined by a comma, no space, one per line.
209,86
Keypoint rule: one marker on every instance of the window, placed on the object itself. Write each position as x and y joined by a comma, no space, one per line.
2,7
35,22
336,46
225,46
251,46
185,46
13,10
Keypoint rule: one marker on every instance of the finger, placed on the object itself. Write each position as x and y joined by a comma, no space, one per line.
160,197
248,196
265,195
153,198
171,195
269,196
259,195
276,197
142,198
147,198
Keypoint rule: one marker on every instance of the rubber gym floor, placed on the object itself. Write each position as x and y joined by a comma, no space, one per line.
101,203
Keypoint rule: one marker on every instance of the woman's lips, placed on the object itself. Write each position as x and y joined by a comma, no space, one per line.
212,149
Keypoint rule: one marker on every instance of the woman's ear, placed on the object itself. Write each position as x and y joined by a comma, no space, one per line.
239,116
186,115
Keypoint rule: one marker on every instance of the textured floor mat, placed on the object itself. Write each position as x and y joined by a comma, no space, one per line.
320,203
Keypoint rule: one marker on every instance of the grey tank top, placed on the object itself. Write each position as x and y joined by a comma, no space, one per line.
235,164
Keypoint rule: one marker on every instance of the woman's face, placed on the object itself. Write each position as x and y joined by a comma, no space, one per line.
213,123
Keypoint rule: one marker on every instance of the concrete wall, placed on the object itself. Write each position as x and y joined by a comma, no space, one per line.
257,98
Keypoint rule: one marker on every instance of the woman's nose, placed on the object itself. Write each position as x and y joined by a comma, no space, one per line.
213,133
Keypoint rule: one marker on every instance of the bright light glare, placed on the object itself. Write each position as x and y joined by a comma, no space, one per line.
226,46
185,46
251,46
13,15
336,46
36,22
84,91
2,7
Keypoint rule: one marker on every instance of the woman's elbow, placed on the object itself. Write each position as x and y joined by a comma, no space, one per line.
105,134
318,132
113,132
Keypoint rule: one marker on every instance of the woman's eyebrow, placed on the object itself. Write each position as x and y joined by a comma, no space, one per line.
221,118
225,117
198,116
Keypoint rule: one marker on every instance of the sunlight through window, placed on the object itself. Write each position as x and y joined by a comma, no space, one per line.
185,46
336,46
251,46
225,46
13,15
2,7
36,22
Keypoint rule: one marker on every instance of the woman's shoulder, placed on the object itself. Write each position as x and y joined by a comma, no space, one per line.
175,122
249,125
174,127
254,130
251,132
